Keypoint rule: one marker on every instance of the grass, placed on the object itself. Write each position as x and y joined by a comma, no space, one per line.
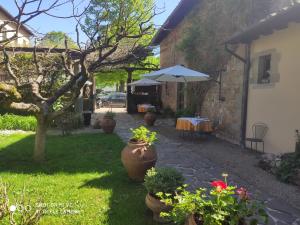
15,122
82,172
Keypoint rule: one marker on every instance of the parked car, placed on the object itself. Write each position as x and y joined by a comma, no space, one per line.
100,99
115,99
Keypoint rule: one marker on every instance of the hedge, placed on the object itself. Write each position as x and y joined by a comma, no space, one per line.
15,122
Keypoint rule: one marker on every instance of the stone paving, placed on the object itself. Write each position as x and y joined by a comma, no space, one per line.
205,160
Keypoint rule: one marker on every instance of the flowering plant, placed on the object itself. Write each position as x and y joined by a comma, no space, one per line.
222,205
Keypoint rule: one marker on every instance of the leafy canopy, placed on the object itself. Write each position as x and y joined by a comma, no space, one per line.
57,39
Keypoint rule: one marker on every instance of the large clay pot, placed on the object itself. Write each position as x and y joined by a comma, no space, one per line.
137,158
191,220
97,124
157,207
108,125
150,118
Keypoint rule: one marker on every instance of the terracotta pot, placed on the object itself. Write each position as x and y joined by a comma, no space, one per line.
108,125
97,124
137,158
157,207
191,220
150,118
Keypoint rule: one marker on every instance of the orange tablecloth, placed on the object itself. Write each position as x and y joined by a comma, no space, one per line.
185,125
143,108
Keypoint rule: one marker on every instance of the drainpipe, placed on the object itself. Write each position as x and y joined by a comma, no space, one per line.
246,75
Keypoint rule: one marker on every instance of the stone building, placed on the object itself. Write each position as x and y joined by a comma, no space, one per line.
221,104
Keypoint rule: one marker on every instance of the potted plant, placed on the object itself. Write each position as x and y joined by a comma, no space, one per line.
139,155
150,117
97,123
222,205
108,123
161,180
297,142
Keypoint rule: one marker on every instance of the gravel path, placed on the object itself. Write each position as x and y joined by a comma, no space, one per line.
202,161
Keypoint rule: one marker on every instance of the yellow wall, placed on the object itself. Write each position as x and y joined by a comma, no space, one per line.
278,104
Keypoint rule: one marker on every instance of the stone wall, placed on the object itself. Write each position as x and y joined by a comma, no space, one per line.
225,113
170,56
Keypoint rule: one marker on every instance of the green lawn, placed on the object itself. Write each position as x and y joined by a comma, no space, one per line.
82,172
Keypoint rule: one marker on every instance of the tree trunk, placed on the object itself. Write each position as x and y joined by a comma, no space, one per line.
40,139
122,86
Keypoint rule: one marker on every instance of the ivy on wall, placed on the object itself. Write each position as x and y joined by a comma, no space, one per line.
208,27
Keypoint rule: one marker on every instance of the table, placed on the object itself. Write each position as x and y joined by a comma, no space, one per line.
194,124
142,108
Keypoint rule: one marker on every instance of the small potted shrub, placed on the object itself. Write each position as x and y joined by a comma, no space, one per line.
150,117
297,149
139,155
97,123
108,123
223,205
161,180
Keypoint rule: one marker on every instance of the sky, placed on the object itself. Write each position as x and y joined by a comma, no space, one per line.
44,24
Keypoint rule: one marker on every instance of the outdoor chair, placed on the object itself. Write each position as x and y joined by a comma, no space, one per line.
259,131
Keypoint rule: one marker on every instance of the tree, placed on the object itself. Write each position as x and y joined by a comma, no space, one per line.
120,75
56,39
116,31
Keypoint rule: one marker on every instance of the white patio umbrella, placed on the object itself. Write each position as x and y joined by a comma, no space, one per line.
177,73
145,82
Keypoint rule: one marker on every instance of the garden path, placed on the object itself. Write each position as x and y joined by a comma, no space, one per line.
202,161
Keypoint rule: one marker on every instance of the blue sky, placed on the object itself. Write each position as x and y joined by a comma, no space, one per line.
44,24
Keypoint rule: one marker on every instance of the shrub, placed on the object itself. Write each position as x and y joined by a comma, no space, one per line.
184,112
287,169
165,180
168,112
142,134
15,122
109,114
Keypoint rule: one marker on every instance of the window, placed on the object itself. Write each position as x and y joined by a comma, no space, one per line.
264,69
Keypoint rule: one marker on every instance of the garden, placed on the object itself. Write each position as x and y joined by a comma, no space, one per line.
83,181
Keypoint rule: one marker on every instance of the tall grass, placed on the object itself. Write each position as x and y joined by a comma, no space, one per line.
15,122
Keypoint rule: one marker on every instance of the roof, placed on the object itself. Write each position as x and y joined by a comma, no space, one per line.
11,17
178,14
74,53
275,21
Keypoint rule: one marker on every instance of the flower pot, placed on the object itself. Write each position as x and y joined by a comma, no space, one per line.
97,124
156,206
191,220
137,158
150,118
108,125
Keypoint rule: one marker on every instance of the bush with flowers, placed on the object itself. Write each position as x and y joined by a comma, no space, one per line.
222,205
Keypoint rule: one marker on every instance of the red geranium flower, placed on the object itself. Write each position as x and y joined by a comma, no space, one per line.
219,184
243,193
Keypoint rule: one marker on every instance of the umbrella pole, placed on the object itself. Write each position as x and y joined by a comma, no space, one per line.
185,95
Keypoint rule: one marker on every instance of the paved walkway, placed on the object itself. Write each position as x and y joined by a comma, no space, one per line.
205,160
